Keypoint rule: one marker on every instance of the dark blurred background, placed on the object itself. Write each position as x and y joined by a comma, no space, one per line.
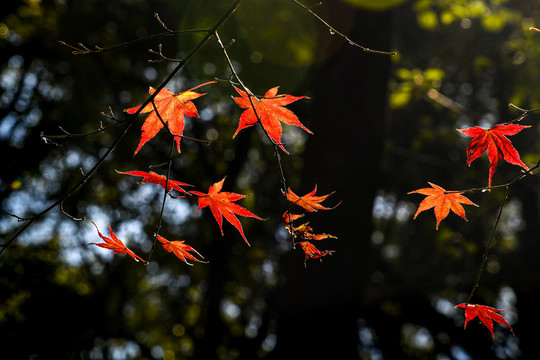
383,126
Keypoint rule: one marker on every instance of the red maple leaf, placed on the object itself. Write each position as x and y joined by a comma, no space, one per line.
310,202
221,204
442,202
496,143
172,108
486,315
180,249
115,244
152,177
312,252
270,110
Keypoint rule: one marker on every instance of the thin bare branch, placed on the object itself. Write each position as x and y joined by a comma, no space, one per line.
333,31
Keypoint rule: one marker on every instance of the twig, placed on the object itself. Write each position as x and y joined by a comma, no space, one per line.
275,145
333,31
166,190
492,235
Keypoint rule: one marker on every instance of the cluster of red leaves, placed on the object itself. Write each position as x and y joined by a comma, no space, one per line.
498,147
169,110
311,203
486,314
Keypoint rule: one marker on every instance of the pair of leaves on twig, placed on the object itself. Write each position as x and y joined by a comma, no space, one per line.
171,108
498,147
221,203
178,248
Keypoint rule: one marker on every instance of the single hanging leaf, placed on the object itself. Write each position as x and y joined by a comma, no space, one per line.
442,202
180,249
486,315
152,177
270,110
310,202
221,204
172,108
115,244
312,252
496,143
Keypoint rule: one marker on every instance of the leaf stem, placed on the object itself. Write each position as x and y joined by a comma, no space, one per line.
492,235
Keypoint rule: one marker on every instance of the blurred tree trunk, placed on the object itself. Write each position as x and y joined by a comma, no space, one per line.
318,307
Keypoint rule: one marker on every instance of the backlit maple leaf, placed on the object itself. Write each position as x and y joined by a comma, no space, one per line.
312,252
114,244
180,249
496,143
172,108
310,202
442,202
221,204
486,315
157,179
270,110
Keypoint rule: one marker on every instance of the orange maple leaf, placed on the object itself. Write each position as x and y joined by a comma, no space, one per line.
496,143
486,314
114,244
180,249
172,108
312,252
442,202
153,178
270,110
310,202
221,204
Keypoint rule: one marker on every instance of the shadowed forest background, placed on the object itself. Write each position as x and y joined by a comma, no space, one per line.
383,126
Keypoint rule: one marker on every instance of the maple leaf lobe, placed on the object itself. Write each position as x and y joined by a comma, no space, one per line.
153,178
